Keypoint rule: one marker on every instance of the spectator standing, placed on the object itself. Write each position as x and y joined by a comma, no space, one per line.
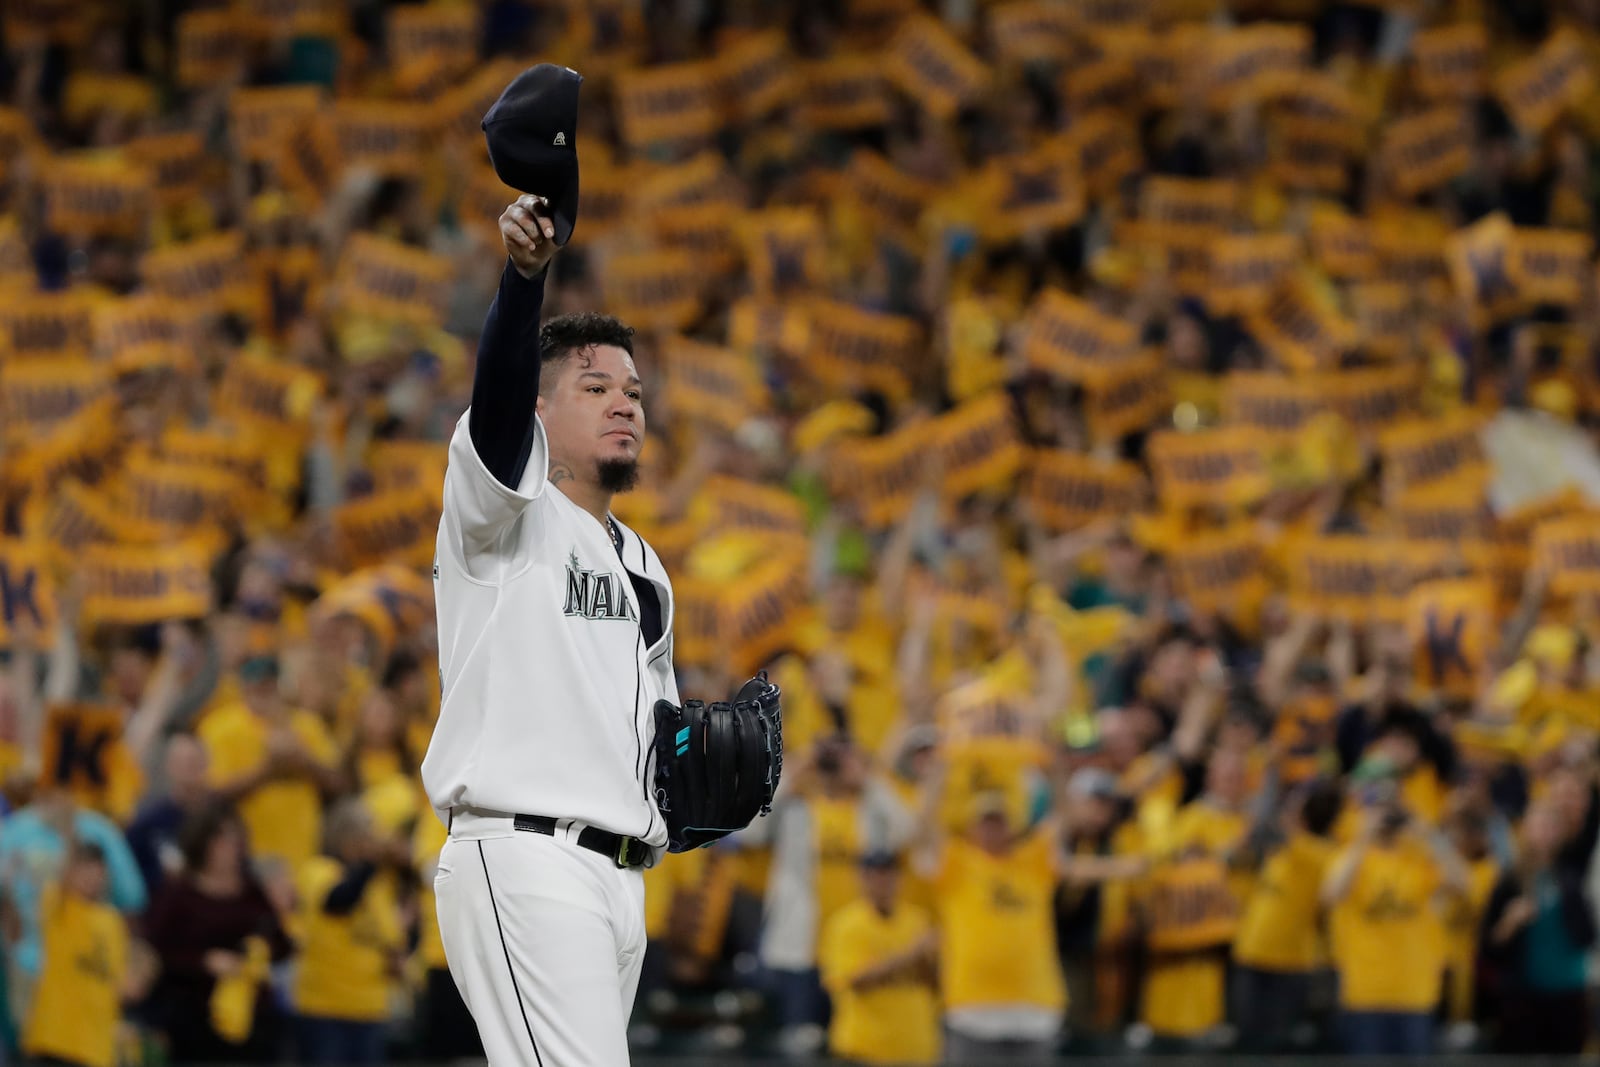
1538,928
1279,946
201,928
78,1001
1387,941
153,835
273,761
352,941
1004,995
878,964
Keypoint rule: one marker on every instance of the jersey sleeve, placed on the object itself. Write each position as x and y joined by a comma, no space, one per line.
478,507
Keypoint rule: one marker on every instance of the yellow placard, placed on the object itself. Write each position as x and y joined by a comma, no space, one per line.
459,112
95,194
161,500
978,445
1311,154
1110,83
443,32
710,383
1031,31
1536,89
175,162
127,331
54,324
881,474
785,250
853,348
1246,268
38,392
1189,906
1569,551
263,119
893,199
1188,205
1348,577
707,232
933,68
1341,243
1219,570
211,268
1073,340
703,179
1551,266
83,750
1452,62
1126,398
1452,629
390,140
1442,511
1108,149
1247,63
1299,329
1385,317
1038,192
85,446
769,327
1480,260
73,516
757,614
27,590
756,76
1426,150
1371,398
1066,490
843,92
1225,466
1425,450
262,390
399,465
212,45
135,584
389,279
1410,248
400,526
1276,404
672,104
725,503
657,290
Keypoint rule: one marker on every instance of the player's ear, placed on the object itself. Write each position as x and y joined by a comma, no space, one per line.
538,405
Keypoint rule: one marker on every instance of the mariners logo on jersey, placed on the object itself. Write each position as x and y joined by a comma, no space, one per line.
595,594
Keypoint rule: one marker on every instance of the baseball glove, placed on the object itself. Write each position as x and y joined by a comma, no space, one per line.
717,765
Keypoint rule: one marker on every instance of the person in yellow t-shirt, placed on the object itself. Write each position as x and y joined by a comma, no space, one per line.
877,960
448,1032
1387,943
1279,945
275,762
77,1002
1004,993
1463,917
352,941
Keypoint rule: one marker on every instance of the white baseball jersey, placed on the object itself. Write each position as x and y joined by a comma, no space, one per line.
548,690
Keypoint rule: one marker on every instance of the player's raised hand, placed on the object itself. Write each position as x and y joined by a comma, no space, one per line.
528,234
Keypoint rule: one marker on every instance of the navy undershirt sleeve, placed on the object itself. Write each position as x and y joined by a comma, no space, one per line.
505,384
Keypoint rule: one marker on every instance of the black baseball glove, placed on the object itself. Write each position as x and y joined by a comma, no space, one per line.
717,765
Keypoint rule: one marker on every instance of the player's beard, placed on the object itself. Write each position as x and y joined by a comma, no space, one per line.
618,475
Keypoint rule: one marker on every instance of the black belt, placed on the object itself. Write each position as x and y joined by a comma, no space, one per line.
620,849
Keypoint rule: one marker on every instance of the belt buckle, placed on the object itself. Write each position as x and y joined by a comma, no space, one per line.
622,851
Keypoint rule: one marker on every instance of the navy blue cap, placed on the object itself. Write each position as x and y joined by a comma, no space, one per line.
532,131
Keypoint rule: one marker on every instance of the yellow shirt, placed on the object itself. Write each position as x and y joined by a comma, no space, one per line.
836,824
1386,939
78,1001
1280,928
1462,917
1217,832
997,927
897,1023
284,817
344,969
427,841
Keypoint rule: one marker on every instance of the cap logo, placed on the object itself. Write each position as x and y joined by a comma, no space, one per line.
561,138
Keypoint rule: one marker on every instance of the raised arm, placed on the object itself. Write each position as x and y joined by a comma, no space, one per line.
505,384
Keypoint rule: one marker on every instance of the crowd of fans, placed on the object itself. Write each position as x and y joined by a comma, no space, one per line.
1151,442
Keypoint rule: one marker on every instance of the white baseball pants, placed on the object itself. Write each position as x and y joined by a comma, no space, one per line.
545,941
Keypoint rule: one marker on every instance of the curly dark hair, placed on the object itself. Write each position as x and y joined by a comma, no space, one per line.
565,335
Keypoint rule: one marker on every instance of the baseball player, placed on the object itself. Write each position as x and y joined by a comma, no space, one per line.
555,653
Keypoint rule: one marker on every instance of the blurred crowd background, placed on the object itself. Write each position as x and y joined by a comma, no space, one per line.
1153,443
